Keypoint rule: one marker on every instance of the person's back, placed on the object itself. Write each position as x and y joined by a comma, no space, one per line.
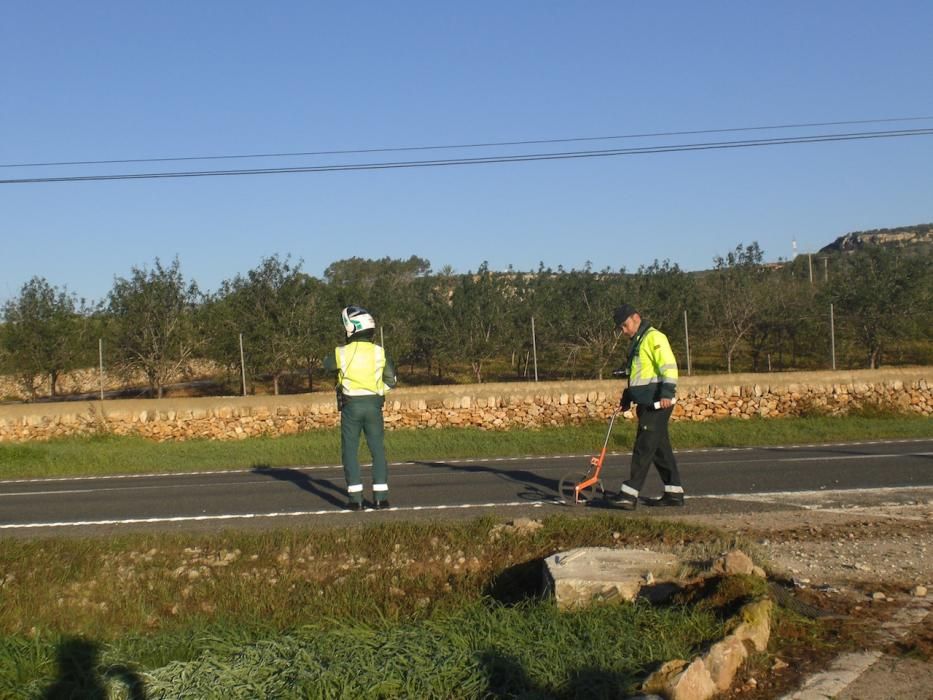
364,375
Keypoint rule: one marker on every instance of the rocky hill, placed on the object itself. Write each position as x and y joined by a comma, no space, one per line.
919,235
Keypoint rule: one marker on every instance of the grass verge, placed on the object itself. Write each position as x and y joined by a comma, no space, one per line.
446,609
127,455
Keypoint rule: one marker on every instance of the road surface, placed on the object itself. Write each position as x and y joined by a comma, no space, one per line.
715,480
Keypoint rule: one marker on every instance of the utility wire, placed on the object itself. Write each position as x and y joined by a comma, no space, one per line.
468,145
821,138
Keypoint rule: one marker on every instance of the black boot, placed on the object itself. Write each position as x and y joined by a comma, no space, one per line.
623,501
668,499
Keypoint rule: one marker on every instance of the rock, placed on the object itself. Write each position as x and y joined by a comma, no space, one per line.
723,660
734,562
756,624
918,591
679,680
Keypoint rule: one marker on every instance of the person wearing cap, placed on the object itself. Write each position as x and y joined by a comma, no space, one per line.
364,375
652,387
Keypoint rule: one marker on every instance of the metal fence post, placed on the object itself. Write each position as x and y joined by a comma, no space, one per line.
534,346
832,335
242,365
687,339
100,357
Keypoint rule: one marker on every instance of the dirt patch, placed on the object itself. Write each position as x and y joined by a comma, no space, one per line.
861,564
863,548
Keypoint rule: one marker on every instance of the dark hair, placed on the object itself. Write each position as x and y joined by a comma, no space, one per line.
622,313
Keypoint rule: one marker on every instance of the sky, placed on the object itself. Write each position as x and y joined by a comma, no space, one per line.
114,80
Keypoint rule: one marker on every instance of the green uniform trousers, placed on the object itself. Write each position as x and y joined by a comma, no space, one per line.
363,414
653,446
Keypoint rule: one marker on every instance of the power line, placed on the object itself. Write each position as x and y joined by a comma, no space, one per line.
821,138
491,144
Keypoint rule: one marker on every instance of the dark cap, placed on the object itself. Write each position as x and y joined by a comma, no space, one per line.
622,313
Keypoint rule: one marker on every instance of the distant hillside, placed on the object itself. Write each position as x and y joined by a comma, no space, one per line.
921,234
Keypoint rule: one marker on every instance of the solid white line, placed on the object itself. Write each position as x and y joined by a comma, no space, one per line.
135,488
150,475
847,457
703,450
253,516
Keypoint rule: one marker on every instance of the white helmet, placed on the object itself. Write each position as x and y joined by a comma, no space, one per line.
357,319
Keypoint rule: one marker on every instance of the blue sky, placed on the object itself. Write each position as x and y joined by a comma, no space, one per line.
101,80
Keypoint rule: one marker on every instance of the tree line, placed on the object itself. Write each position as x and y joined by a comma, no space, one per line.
276,322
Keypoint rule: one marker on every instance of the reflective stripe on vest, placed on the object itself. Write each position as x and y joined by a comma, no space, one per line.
361,367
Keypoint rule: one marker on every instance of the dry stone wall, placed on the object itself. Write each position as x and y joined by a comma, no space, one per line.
483,406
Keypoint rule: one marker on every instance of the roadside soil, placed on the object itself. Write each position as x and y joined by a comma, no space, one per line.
861,563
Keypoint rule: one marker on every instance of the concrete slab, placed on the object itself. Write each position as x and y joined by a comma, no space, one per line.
586,574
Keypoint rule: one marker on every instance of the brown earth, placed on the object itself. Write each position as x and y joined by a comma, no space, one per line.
861,563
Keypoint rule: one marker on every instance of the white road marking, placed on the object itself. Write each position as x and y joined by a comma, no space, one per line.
254,516
457,461
823,493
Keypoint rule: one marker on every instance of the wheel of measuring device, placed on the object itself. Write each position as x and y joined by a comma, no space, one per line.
567,493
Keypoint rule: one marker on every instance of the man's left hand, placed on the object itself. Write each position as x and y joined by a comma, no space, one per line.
666,403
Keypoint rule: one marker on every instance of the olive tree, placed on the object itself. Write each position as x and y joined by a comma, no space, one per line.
43,333
279,312
734,297
152,328
884,297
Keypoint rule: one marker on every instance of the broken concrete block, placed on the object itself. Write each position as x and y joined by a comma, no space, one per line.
588,574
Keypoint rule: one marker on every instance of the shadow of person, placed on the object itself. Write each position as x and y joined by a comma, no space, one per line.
81,677
505,678
536,487
322,488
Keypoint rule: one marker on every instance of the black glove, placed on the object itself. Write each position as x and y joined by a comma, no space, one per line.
625,403
621,372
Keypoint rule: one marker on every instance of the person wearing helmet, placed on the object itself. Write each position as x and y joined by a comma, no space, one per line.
364,375
652,384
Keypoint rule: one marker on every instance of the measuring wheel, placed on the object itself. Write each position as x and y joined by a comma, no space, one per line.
567,489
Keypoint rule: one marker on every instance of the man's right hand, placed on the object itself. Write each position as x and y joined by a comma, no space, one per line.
625,402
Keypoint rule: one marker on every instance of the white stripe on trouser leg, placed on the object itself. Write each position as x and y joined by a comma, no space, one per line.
355,488
673,489
380,487
628,490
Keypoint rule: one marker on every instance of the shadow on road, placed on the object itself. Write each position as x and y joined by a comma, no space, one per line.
537,486
322,488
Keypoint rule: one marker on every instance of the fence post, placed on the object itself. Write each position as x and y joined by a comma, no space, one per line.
100,358
687,339
534,346
242,365
832,335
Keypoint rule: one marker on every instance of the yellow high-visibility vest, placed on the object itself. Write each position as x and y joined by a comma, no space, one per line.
653,371
361,365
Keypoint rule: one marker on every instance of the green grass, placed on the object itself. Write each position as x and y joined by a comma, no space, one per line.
387,610
530,650
127,455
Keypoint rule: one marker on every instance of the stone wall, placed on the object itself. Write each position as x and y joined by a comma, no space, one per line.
484,406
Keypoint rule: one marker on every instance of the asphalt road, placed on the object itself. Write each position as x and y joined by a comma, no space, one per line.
715,480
